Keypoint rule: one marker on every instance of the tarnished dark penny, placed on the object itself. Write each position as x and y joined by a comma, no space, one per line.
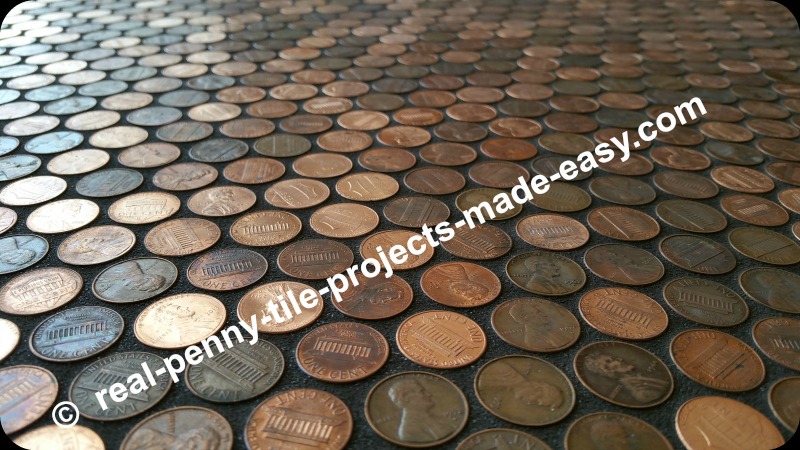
387,160
434,181
344,220
289,417
134,280
182,237
448,154
482,242
622,190
508,149
545,273
282,145
181,425
243,371
503,438
764,245
624,224
342,352
226,269
754,210
297,193
96,245
775,288
185,176
75,334
144,207
29,394
119,367
731,153
567,144
788,172
685,185
742,179
416,211
623,313
149,154
524,390
441,339
777,337
552,232
474,197
706,302
265,228
779,148
679,158
221,201
697,254
782,399
460,284
691,216
419,394
549,165
375,298
717,360
623,374
700,423
321,165
367,186
109,183
498,174
623,264
613,430
563,197
257,301
315,259
344,141
218,150
535,325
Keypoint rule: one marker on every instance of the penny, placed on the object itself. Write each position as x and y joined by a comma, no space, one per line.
731,153
109,183
781,149
742,179
613,430
78,162
420,117
321,165
375,298
754,210
328,106
622,190
344,141
728,132
414,212
34,392
144,207
700,421
148,155
776,337
75,334
362,120
535,325
181,237
481,242
134,280
272,109
179,320
623,313
772,287
119,368
567,144
21,251
460,284
425,395
342,352
246,370
297,193
623,374
344,220
503,437
221,201
118,137
788,172
263,303
679,158
62,216
96,245
448,154
8,218
58,438
441,339
282,145
790,198
624,224
299,415
764,245
403,136
9,338
314,259
306,124
623,264
182,424
697,254
685,185
562,197
183,132
226,269
29,126
387,160
717,360
40,290
474,197
545,273
18,166
367,187
706,302
549,165
434,180
218,150
691,216
32,190
498,174
782,396
265,228
418,255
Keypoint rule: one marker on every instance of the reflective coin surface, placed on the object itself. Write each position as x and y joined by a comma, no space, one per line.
782,398
266,304
134,280
177,426
226,269
62,216
697,431
613,430
460,284
34,392
180,237
76,333
441,339
9,338
52,437
545,273
96,245
39,291
179,320
623,313
342,352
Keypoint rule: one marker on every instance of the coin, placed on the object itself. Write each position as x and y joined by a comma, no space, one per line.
622,190
416,211
257,302
742,179
185,176
696,431
764,245
623,264
717,360
9,337
254,170
109,183
221,201
244,371
344,220
624,224
429,396
182,424
563,197
226,269
375,298
18,166
498,174
342,352
179,320
691,216
679,158
322,165
448,154
706,302
776,338
134,280
304,415
34,392
772,287
8,218
76,333
21,251
387,160
535,325
40,290
32,190
482,242
265,228
623,313
790,198
549,165
58,438
474,197
418,255
78,162
218,150
697,254
367,187
441,339
96,245
103,373
181,237
314,259
782,396
623,374
502,437
685,185
144,207
545,273
149,154
297,193
460,284
615,430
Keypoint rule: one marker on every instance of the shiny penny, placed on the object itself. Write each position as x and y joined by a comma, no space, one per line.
226,269
221,201
263,300
185,176
54,437
367,187
179,320
297,193
700,420
62,216
342,352
265,228
441,339
144,207
460,284
419,252
623,313
21,407
180,237
96,245
40,290
344,220
9,338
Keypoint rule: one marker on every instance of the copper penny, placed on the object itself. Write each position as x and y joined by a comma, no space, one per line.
613,430
474,197
448,154
306,124
623,374
441,339
679,158
363,120
367,186
563,197
790,198
181,237
697,254
314,259
344,220
414,212
623,264
691,216
764,245
181,424
567,144
636,165
322,165
545,273
144,207
754,210
328,106
511,439
179,320
624,224
706,302
482,242
344,141
265,228
779,148
40,290
460,284
21,407
272,109
185,176
728,132
434,181
57,438
535,325
524,390
387,160
96,245
775,288
508,149
375,298
419,251
297,193
148,155
717,360
226,269
776,337
515,127
270,304
685,185
782,398
623,313
134,280
700,421
742,179
622,190
552,232
254,170
418,117
221,201
342,352
403,136
498,174
788,172
460,132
